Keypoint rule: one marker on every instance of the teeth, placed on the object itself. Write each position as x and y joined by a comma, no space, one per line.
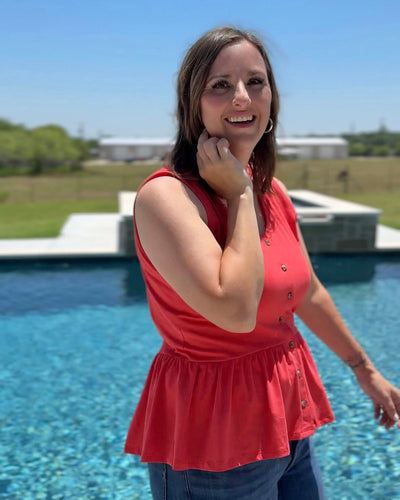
241,119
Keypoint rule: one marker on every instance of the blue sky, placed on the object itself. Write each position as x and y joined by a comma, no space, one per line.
109,67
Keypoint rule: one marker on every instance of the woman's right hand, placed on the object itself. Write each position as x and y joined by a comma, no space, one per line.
219,168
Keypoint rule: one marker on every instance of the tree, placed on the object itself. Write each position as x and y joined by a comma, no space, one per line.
383,150
53,147
6,125
357,149
380,143
43,147
16,147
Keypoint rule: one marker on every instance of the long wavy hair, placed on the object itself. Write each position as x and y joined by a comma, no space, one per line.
192,79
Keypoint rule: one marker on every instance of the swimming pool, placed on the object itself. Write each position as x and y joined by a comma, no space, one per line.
76,344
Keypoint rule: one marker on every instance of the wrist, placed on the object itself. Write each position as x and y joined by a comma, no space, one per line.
246,193
358,362
361,366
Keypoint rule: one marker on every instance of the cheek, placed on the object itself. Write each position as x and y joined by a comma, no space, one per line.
203,110
265,105
209,112
267,100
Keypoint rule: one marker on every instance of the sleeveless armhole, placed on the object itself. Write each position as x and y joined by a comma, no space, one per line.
287,205
215,209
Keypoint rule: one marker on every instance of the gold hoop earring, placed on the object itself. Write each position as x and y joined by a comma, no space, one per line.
270,126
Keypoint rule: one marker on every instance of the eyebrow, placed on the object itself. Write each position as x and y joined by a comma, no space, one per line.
250,73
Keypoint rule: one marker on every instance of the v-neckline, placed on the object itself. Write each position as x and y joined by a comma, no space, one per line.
260,209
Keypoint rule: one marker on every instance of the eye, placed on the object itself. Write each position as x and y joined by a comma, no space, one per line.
256,81
221,85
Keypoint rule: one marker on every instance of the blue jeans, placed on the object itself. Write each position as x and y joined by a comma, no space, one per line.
295,477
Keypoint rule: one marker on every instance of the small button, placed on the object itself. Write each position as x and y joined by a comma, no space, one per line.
267,242
281,319
290,295
283,267
303,403
291,344
298,373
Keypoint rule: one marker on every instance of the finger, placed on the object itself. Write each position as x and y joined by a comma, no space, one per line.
203,137
210,149
207,155
384,419
387,421
391,413
223,148
396,400
392,408
396,420
391,405
201,155
377,412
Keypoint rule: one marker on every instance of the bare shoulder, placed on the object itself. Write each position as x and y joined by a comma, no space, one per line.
165,194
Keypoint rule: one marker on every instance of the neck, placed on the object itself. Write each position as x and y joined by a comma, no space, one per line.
242,154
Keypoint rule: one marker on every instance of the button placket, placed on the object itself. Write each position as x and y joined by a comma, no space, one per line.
292,345
302,384
289,295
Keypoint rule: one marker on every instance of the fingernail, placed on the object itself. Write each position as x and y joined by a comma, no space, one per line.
395,417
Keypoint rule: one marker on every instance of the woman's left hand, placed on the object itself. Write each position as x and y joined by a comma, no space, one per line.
384,395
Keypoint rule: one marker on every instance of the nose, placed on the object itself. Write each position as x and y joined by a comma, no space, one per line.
241,96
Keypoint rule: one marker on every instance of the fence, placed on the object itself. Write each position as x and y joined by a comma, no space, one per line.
329,177
71,187
341,177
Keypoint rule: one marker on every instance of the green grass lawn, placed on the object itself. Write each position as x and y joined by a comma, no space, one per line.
37,207
388,202
44,219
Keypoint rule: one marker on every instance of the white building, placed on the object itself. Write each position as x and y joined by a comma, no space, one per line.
304,148
128,149
307,148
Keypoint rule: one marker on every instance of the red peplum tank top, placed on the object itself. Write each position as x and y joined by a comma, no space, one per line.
213,399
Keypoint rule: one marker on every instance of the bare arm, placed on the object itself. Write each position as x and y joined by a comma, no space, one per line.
319,313
222,284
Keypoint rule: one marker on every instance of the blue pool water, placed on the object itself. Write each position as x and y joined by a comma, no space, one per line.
76,342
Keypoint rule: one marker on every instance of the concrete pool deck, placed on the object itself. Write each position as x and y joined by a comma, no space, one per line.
83,235
101,235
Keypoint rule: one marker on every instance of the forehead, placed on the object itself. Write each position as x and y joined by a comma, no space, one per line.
243,56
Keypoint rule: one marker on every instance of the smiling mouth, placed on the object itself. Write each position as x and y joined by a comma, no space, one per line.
241,119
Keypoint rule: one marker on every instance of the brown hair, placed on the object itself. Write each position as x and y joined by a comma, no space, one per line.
191,82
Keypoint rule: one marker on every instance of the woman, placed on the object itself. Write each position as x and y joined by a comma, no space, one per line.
233,395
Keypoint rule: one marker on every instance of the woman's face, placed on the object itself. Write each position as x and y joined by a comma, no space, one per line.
236,100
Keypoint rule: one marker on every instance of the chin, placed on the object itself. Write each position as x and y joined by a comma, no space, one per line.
243,140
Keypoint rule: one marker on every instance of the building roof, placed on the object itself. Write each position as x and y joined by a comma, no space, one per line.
311,141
